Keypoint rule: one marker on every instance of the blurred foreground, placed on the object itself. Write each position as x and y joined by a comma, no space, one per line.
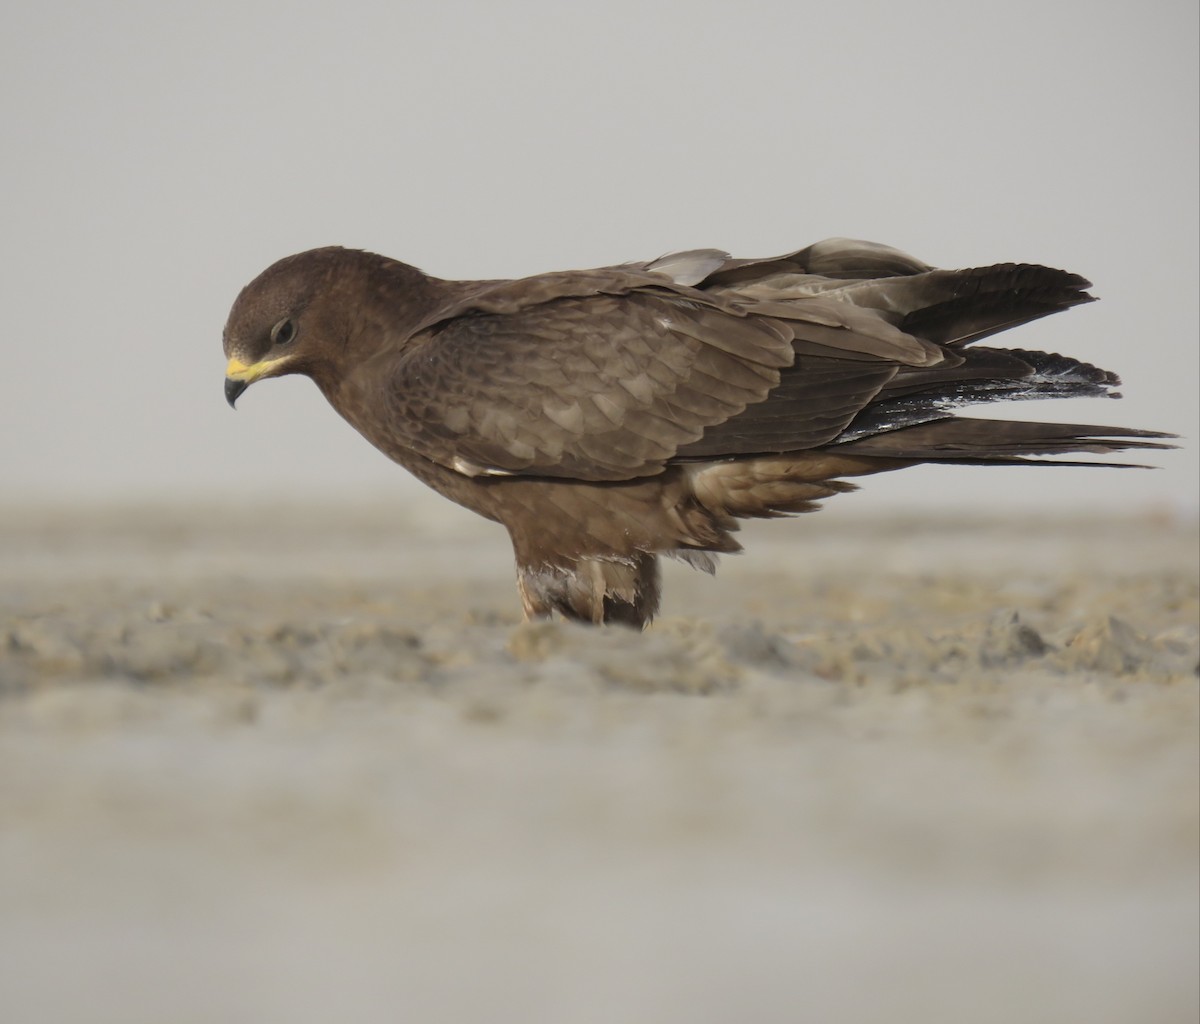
307,765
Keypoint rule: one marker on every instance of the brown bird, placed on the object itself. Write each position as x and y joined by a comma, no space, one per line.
608,416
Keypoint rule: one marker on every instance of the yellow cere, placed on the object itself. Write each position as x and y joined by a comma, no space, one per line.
237,370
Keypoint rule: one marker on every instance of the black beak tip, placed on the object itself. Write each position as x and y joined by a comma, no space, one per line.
233,388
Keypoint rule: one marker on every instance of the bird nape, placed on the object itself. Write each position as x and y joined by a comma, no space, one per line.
608,416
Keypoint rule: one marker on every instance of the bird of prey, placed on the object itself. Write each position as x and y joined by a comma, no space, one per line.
608,416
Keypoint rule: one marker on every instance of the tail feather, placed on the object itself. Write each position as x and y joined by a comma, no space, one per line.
991,441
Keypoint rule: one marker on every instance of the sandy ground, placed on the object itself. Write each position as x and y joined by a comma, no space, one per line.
274,764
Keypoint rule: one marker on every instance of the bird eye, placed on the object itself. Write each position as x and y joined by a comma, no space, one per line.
283,332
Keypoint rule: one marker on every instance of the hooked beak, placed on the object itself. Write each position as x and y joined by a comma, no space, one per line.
233,388
239,376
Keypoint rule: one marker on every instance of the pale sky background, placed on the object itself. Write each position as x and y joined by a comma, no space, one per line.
158,155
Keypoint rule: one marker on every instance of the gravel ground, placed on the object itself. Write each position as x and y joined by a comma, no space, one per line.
268,763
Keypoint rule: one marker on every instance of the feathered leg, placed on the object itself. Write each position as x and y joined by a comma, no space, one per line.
596,590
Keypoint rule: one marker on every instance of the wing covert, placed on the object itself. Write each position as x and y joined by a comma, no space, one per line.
597,387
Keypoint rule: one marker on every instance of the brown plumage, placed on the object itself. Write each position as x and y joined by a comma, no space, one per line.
608,416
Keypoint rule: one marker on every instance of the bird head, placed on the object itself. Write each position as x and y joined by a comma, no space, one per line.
321,312
286,319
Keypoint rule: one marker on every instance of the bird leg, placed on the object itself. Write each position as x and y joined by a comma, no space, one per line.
594,590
